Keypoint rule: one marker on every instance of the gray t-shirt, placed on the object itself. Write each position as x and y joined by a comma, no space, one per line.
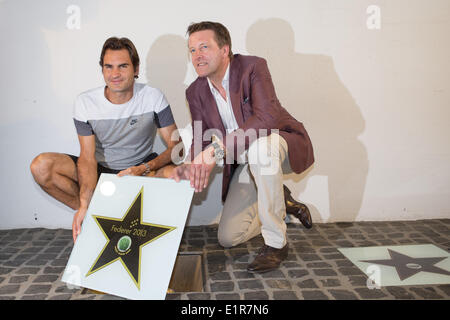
124,133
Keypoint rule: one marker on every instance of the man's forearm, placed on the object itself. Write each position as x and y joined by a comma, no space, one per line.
87,179
160,161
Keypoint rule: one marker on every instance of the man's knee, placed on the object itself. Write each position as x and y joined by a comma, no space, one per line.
41,168
224,237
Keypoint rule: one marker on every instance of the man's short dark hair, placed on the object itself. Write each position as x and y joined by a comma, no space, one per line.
115,43
221,34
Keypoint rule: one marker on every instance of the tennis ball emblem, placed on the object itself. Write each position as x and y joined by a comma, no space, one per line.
124,243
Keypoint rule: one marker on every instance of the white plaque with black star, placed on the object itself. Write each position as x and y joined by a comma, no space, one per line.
130,236
401,265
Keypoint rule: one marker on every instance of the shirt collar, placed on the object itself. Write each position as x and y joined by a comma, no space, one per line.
225,80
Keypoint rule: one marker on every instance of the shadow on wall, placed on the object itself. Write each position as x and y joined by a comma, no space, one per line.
167,62
308,86
33,121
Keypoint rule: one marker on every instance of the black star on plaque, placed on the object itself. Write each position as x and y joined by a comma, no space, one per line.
126,237
407,266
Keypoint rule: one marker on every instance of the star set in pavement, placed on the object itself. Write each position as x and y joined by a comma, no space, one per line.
407,266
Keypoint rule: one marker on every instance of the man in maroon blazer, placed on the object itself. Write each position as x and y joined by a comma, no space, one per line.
233,104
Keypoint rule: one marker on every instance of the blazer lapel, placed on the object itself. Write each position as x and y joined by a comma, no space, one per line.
235,90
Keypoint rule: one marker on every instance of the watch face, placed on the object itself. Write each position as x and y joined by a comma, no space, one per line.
219,154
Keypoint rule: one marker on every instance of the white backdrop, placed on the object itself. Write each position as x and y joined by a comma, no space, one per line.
370,81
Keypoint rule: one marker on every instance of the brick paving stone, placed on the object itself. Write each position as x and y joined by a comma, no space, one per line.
350,271
36,262
18,279
307,284
216,261
65,289
330,283
228,296
395,235
273,274
290,264
357,280
344,263
321,243
199,296
14,263
445,288
243,275
111,297
257,295
334,256
10,250
5,257
318,265
53,250
426,293
284,295
278,284
240,255
59,263
400,293
366,244
344,244
34,297
324,272
28,270
45,278
314,295
220,276
343,294
222,286
240,266
38,288
9,289
366,293
250,284
173,296
297,273
66,296
357,237
47,256
32,250
53,270
309,257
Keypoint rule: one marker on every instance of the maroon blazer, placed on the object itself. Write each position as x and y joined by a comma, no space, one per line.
256,106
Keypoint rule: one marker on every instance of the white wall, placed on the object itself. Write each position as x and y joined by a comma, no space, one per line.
375,101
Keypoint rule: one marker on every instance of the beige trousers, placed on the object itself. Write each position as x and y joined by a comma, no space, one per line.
255,201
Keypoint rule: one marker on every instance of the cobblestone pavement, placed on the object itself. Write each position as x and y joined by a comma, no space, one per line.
32,262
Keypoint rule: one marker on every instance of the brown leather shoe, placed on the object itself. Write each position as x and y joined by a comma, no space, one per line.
297,209
268,259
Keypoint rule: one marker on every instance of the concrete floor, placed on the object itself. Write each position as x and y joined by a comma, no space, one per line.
32,262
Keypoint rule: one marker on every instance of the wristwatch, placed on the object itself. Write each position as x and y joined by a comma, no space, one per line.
147,169
219,153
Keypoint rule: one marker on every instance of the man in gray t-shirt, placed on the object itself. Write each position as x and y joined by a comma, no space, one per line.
116,126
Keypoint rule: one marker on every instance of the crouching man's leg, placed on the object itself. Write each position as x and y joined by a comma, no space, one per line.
266,157
56,174
255,203
239,221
